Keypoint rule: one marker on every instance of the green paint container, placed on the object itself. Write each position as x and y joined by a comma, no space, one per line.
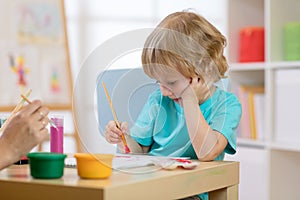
46,165
292,41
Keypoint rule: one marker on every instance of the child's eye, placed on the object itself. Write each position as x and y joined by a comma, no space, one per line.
171,83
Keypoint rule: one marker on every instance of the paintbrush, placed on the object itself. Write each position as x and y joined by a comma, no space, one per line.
127,150
16,110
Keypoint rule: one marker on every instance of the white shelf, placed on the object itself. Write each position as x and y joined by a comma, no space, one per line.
252,66
285,64
251,143
285,146
247,66
280,78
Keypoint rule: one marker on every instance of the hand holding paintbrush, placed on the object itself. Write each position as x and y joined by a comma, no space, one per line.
24,129
28,101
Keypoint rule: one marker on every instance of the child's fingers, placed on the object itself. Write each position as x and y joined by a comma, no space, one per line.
113,133
112,126
112,137
115,139
124,127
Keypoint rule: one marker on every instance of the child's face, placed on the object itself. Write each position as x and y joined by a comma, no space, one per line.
172,83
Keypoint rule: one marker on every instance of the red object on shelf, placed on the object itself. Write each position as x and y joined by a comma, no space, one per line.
252,44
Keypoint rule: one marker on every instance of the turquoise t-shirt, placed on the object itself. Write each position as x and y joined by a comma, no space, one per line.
161,124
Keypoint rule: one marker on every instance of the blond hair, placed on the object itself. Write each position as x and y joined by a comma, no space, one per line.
188,43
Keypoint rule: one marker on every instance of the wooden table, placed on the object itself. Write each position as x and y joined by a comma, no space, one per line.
219,178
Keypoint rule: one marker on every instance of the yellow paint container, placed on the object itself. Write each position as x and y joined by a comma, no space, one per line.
94,165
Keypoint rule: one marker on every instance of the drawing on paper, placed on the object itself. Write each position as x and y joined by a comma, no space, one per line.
19,67
54,82
39,22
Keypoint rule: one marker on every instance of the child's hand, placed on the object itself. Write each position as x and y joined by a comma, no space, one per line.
113,133
196,90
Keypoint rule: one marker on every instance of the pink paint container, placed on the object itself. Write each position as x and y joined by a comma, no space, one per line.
57,135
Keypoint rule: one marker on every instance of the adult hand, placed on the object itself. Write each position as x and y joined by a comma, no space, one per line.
24,131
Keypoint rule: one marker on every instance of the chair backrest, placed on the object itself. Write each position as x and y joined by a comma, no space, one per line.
129,90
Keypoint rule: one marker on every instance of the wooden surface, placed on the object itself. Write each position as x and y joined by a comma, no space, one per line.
221,178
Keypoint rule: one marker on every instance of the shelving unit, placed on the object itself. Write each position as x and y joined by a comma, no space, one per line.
275,160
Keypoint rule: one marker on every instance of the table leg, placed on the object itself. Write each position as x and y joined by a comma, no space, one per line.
229,193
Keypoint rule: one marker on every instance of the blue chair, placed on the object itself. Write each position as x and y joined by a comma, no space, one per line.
129,90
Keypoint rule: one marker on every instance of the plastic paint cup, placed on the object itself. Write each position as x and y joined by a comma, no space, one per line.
57,135
46,165
93,166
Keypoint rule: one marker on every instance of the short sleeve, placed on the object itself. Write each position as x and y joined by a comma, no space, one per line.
143,127
226,120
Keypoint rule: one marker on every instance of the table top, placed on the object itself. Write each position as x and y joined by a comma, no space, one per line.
207,176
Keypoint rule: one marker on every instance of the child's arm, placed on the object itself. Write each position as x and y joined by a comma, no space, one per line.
207,143
133,146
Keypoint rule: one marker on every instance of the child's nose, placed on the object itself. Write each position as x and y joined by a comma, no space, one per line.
165,91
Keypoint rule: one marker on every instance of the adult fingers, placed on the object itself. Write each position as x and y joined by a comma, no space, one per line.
43,112
43,123
31,108
40,114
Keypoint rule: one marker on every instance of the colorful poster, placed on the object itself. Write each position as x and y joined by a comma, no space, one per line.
19,72
39,22
34,54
